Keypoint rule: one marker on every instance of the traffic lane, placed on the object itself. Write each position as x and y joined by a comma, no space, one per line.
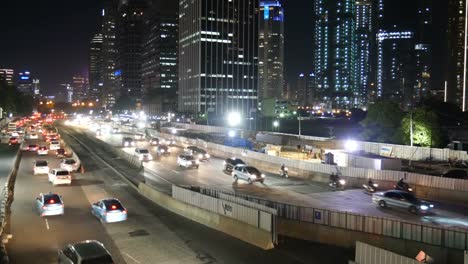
284,190
36,239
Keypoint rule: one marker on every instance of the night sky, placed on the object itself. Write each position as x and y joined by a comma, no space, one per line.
50,37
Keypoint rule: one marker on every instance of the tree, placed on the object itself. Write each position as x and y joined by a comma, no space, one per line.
426,129
383,123
357,115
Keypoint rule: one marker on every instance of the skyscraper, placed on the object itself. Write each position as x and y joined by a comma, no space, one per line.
159,62
109,55
335,52
456,71
271,49
79,84
129,46
37,88
364,39
395,67
423,51
218,56
95,67
8,76
25,83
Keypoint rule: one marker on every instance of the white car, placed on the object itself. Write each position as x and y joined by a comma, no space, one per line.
187,161
54,145
143,154
69,165
41,167
59,176
42,151
247,173
33,136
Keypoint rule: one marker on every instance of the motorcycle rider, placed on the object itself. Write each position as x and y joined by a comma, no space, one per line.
401,184
283,170
370,183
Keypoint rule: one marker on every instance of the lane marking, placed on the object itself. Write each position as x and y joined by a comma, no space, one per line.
47,224
132,258
176,171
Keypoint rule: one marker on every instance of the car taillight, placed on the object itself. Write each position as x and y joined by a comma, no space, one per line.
124,211
44,207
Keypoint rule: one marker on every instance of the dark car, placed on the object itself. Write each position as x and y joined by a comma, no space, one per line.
163,150
128,142
89,251
231,162
197,152
155,141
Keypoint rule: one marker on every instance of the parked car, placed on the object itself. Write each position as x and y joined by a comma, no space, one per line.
401,199
128,142
54,145
41,167
85,252
201,154
42,150
109,210
69,164
187,161
230,163
59,176
247,173
143,154
49,204
163,150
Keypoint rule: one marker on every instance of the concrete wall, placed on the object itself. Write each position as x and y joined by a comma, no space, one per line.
346,238
244,232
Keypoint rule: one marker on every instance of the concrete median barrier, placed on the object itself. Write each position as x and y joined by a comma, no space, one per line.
239,230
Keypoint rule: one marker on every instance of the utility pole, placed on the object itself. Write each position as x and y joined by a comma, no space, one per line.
411,128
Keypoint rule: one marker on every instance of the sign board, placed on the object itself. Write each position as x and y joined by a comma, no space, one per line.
386,151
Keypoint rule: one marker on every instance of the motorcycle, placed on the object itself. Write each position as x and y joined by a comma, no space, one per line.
404,187
337,185
284,172
370,188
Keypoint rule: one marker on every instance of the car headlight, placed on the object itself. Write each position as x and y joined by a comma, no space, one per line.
224,162
200,156
342,182
197,162
431,206
126,144
410,189
286,169
424,207
263,175
133,143
162,150
207,155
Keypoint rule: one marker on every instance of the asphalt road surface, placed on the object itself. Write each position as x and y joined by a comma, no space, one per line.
164,171
150,235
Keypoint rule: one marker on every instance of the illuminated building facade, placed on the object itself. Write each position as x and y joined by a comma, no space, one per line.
364,39
218,57
95,69
8,76
271,49
25,83
335,53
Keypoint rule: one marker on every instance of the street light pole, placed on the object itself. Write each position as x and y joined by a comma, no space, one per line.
299,118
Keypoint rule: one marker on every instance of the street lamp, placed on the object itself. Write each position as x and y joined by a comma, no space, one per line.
231,133
276,124
350,147
234,119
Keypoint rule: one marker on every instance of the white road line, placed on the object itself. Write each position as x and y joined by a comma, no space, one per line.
132,258
175,171
47,223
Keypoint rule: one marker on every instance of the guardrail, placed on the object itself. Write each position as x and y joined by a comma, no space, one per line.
7,199
432,235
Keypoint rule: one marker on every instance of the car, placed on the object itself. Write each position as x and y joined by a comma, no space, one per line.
69,165
42,150
201,154
13,141
54,145
51,138
59,176
128,142
41,167
50,204
33,136
156,141
61,153
247,173
89,251
115,130
143,154
109,210
401,199
187,161
231,162
163,150
139,136
33,147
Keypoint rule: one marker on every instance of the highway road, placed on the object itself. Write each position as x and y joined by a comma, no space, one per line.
150,235
164,170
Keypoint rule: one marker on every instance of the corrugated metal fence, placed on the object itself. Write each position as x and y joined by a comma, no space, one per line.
444,237
367,254
242,210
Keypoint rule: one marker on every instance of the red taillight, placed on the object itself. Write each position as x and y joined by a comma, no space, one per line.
124,211
44,207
